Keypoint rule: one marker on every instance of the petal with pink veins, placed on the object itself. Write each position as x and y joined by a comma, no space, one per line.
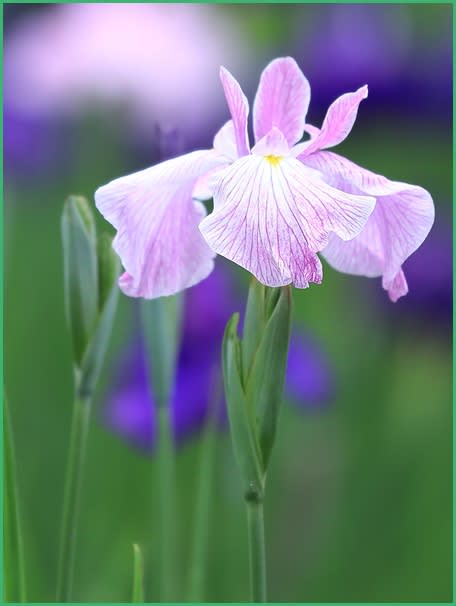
271,215
239,110
157,238
282,100
402,218
337,124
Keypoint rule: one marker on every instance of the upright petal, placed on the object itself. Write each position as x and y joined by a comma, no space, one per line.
282,100
157,239
338,122
271,215
402,219
239,109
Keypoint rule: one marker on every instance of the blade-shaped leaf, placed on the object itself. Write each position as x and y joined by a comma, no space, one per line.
245,446
80,271
264,389
93,357
254,322
108,268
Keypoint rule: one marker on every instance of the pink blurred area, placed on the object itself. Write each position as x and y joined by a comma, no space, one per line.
161,61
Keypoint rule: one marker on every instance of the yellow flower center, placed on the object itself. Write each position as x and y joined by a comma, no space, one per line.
273,160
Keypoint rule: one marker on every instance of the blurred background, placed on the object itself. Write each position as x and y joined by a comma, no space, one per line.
359,503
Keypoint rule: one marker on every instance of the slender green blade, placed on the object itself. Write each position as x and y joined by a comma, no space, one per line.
254,322
14,568
80,271
246,448
264,389
93,357
108,268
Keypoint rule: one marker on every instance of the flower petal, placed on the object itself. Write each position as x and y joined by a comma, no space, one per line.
225,141
402,219
157,239
271,217
239,109
225,146
282,100
338,122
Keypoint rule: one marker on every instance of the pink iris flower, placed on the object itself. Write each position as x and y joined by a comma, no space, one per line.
276,205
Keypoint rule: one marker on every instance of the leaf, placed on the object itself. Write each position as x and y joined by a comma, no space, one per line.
264,389
14,569
254,322
138,575
161,321
93,357
108,268
246,448
80,271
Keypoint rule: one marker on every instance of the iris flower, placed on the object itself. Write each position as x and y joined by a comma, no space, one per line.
276,204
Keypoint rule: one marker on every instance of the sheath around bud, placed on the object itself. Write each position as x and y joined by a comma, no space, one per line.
91,269
254,370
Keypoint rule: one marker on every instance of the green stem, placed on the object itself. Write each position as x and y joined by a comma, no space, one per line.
15,586
138,576
198,556
257,553
71,499
167,484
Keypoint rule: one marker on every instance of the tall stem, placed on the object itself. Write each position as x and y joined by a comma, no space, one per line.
167,485
198,555
71,499
14,585
257,554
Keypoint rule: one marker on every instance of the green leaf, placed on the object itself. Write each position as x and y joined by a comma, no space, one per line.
108,268
80,272
264,389
92,360
254,323
161,321
14,569
138,575
246,448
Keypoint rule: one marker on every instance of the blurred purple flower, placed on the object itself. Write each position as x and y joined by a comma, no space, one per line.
129,410
379,44
141,55
430,275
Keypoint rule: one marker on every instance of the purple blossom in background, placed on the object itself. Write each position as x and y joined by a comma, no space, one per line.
140,55
129,410
430,275
381,45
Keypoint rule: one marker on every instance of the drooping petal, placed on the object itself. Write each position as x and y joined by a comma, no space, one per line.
338,122
402,219
282,100
271,215
239,109
157,239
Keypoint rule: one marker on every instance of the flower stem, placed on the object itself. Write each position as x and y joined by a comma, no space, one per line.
257,555
167,485
198,554
14,586
71,499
